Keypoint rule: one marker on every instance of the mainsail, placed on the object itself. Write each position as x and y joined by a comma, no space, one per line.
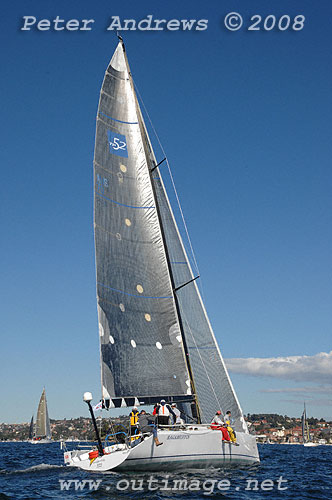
43,428
156,339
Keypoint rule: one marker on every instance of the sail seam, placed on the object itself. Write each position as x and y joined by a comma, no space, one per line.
132,294
116,235
118,203
114,76
96,164
115,120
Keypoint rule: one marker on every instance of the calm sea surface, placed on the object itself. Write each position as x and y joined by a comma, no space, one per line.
29,472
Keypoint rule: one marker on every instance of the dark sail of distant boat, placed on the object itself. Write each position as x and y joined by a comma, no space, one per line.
31,428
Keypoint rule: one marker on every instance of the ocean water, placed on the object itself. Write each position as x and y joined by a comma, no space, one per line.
29,472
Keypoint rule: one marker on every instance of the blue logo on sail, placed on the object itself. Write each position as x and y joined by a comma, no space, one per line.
117,144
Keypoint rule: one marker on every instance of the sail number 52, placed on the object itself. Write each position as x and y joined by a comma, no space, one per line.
117,144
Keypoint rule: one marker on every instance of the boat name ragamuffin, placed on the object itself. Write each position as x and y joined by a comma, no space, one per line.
180,436
115,23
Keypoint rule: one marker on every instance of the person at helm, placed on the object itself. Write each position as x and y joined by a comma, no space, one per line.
164,411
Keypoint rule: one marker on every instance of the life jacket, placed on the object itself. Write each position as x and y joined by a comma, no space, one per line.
163,411
230,430
225,434
134,417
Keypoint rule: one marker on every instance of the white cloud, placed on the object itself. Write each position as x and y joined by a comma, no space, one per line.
317,368
311,403
301,390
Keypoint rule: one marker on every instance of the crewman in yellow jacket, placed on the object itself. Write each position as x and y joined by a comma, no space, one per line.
228,421
133,420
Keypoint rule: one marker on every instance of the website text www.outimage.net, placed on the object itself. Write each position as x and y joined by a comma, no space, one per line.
207,486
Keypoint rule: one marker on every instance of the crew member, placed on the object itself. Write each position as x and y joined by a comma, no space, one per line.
133,420
229,422
219,425
146,424
176,411
164,411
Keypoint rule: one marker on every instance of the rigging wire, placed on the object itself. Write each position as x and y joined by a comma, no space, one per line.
172,181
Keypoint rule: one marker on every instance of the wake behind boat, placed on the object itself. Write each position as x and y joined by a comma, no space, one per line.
156,339
41,432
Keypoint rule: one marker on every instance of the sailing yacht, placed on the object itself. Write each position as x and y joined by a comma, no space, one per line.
156,341
306,440
42,430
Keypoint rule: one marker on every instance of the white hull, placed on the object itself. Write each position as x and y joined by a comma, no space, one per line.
187,449
310,444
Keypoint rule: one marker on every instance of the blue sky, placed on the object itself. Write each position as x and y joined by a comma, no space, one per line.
245,119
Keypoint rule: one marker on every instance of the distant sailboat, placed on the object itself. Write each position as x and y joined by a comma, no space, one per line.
305,431
31,429
42,432
156,339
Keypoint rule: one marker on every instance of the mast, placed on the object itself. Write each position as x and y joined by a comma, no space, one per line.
147,144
